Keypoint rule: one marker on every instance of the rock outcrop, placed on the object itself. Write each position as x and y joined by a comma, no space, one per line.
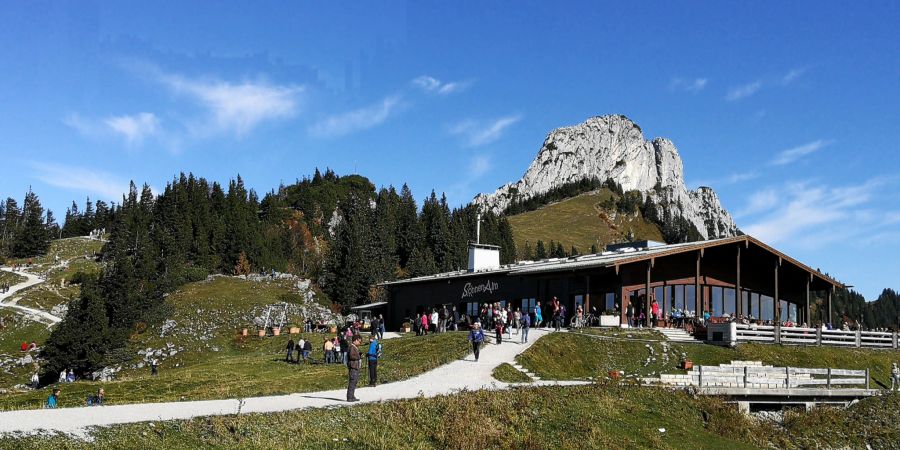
613,147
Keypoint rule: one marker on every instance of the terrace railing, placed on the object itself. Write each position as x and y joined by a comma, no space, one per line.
733,333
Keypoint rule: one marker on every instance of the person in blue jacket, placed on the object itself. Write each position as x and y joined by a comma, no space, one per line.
372,357
525,325
476,337
53,399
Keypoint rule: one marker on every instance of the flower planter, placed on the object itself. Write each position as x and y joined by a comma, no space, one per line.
609,321
406,329
332,329
276,331
687,364
244,332
295,330
261,333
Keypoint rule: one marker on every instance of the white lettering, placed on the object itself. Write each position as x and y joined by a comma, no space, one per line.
470,289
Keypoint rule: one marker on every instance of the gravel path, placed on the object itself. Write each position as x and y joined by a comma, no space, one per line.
464,374
31,280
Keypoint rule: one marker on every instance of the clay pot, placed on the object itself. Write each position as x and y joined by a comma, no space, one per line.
244,332
687,364
276,331
262,333
295,330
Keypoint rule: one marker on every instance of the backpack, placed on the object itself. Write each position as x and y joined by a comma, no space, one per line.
378,352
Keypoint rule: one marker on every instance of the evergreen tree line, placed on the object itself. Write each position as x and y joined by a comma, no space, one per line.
884,312
553,250
94,217
25,232
336,230
385,237
562,192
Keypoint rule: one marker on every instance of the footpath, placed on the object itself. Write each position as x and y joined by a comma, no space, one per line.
30,280
462,375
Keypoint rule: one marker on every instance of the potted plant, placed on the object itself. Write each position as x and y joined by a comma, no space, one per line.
276,331
406,327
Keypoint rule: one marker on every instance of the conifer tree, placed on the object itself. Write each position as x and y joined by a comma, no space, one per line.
540,252
33,238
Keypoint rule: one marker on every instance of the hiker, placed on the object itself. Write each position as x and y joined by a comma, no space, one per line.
353,365
455,319
70,376
498,328
53,399
289,357
538,318
525,323
307,350
434,321
154,367
373,355
476,337
517,319
24,347
327,348
629,314
35,381
654,309
62,376
381,328
96,400
424,326
895,377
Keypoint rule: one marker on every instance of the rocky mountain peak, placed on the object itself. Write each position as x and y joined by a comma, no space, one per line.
613,147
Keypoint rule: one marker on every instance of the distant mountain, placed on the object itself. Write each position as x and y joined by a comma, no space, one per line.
612,147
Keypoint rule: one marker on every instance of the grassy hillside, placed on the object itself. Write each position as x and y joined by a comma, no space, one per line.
202,355
580,221
575,356
595,416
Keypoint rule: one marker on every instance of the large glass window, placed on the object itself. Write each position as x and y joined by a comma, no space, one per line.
754,305
690,299
579,301
610,301
745,303
730,305
717,306
528,305
679,296
472,309
767,307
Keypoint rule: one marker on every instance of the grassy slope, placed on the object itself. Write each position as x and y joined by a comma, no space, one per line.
580,222
10,278
217,363
508,374
596,416
573,356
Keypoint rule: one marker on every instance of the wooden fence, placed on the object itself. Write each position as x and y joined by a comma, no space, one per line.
732,333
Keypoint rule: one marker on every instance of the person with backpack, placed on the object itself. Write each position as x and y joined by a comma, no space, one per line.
476,337
372,356
525,324
96,400
307,350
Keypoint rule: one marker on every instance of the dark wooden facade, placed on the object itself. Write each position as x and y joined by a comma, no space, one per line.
722,271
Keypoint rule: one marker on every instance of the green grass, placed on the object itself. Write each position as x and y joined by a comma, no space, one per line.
619,333
508,374
563,356
253,367
18,329
74,250
10,278
579,221
595,416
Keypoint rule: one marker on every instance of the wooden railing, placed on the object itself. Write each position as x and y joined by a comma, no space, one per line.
735,333
779,377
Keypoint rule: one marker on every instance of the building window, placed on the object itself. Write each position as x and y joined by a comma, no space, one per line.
679,296
659,296
690,300
579,301
730,305
610,301
717,301
528,305
767,307
472,309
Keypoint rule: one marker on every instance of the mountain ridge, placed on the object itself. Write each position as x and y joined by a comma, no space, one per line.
613,147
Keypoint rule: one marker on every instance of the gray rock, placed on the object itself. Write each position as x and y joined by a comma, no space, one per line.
613,147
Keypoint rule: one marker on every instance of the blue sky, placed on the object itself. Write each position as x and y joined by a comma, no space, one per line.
790,112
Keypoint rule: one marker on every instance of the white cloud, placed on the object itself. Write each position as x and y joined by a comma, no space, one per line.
235,107
433,85
814,216
356,120
794,153
693,86
81,179
479,166
134,128
739,92
792,75
476,133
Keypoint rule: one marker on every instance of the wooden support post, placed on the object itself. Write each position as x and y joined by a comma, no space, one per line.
698,298
777,299
746,372
787,377
828,303
828,383
895,339
867,378
858,338
700,379
738,298
647,294
806,309
818,336
587,295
